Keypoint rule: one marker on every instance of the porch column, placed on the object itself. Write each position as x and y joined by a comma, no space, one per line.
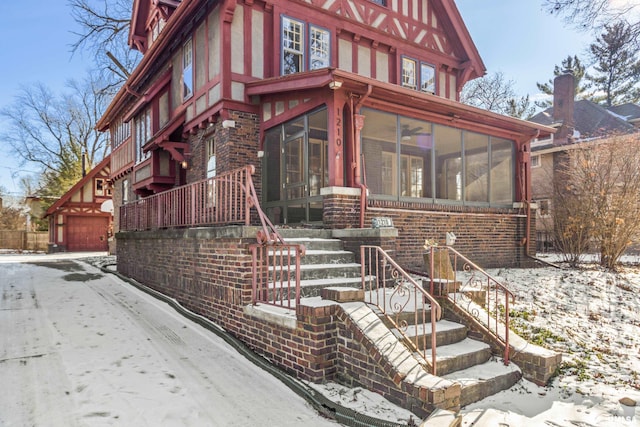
335,132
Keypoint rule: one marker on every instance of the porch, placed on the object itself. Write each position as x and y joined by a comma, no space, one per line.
231,265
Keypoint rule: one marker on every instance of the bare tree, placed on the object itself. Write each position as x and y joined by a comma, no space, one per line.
104,31
593,15
495,93
599,196
56,131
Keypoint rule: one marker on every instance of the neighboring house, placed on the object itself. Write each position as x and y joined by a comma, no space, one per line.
81,219
348,115
577,123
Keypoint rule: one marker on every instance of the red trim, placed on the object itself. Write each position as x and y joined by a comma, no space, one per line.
88,177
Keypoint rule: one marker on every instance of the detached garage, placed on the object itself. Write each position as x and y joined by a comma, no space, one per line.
82,219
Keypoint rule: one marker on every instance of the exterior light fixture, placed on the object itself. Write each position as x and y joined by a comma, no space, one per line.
335,84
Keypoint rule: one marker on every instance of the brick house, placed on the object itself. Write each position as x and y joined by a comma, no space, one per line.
578,122
322,116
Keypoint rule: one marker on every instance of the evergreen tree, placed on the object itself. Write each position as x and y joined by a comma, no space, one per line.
574,65
617,67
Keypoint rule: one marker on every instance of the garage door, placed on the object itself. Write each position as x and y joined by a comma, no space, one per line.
87,234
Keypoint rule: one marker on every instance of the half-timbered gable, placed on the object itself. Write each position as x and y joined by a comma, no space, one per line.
82,219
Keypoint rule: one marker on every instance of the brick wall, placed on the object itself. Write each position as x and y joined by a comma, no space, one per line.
208,271
489,237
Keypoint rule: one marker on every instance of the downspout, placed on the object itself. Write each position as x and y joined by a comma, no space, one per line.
526,181
358,160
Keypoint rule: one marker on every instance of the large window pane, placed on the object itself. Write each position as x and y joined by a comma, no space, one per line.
272,164
416,147
476,151
448,153
379,146
501,171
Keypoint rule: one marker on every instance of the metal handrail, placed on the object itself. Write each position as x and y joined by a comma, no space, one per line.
465,276
398,296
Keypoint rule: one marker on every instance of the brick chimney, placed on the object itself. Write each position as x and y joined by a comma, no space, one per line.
564,90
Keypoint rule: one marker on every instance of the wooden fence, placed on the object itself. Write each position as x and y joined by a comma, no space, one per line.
24,240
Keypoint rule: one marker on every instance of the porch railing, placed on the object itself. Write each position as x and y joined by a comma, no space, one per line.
455,277
411,310
226,199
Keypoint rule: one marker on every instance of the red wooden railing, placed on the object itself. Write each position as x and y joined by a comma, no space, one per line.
454,276
401,300
226,199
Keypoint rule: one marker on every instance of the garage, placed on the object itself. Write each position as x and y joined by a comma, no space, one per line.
87,234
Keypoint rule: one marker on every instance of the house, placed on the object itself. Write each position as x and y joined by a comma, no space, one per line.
250,126
79,221
578,122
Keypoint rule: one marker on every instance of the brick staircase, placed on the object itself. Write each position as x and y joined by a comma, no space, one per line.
459,358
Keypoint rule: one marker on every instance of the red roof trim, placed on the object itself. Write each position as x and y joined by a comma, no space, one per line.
66,196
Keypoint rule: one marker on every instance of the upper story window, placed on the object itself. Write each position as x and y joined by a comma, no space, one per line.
380,2
302,51
120,132
319,46
143,133
292,46
409,73
187,70
424,80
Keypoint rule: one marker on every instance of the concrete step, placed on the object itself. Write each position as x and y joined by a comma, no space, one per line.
447,332
484,380
313,288
461,355
318,243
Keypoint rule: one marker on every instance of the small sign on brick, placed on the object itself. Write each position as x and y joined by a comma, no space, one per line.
382,222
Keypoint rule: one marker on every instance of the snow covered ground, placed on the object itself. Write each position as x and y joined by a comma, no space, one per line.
95,351
82,348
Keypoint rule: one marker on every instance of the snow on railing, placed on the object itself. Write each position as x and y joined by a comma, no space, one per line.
401,300
455,277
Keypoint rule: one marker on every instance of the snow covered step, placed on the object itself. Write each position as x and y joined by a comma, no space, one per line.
484,380
447,332
320,244
461,355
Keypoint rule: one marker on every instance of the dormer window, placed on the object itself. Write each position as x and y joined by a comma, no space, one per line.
425,80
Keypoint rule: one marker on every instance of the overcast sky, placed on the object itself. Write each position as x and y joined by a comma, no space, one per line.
513,36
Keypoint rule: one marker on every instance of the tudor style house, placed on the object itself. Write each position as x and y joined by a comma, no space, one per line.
250,126
79,221
578,122
350,101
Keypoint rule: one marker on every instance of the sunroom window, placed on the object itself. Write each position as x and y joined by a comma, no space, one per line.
407,158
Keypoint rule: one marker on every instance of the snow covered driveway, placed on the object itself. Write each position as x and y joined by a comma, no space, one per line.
79,347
